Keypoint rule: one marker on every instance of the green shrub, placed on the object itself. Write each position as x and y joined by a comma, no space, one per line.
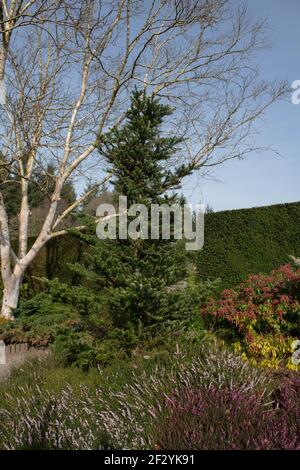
81,323
38,320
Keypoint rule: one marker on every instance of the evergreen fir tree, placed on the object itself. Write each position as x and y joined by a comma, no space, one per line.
128,281
138,155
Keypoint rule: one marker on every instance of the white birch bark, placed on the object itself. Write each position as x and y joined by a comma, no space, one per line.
177,50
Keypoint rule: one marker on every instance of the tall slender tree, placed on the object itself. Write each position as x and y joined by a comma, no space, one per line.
134,274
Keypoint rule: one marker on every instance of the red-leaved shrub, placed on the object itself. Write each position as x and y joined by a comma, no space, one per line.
261,316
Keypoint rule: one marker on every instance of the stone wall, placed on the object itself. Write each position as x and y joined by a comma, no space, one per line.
15,354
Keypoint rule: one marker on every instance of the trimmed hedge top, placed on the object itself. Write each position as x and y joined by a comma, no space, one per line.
256,240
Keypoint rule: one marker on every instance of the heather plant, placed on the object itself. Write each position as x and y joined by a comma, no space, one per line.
46,406
137,411
213,418
230,419
286,429
261,317
43,420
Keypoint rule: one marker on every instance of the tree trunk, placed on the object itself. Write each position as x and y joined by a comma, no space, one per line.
10,298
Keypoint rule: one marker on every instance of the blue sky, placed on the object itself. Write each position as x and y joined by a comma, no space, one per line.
264,179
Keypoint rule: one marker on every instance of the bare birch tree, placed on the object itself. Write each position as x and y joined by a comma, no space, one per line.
69,67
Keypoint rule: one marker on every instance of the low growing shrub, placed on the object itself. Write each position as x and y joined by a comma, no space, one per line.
82,326
38,320
261,317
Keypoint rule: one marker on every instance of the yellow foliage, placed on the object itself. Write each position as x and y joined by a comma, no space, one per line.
267,350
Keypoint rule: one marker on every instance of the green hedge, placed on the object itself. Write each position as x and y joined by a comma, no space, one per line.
52,261
237,243
240,242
